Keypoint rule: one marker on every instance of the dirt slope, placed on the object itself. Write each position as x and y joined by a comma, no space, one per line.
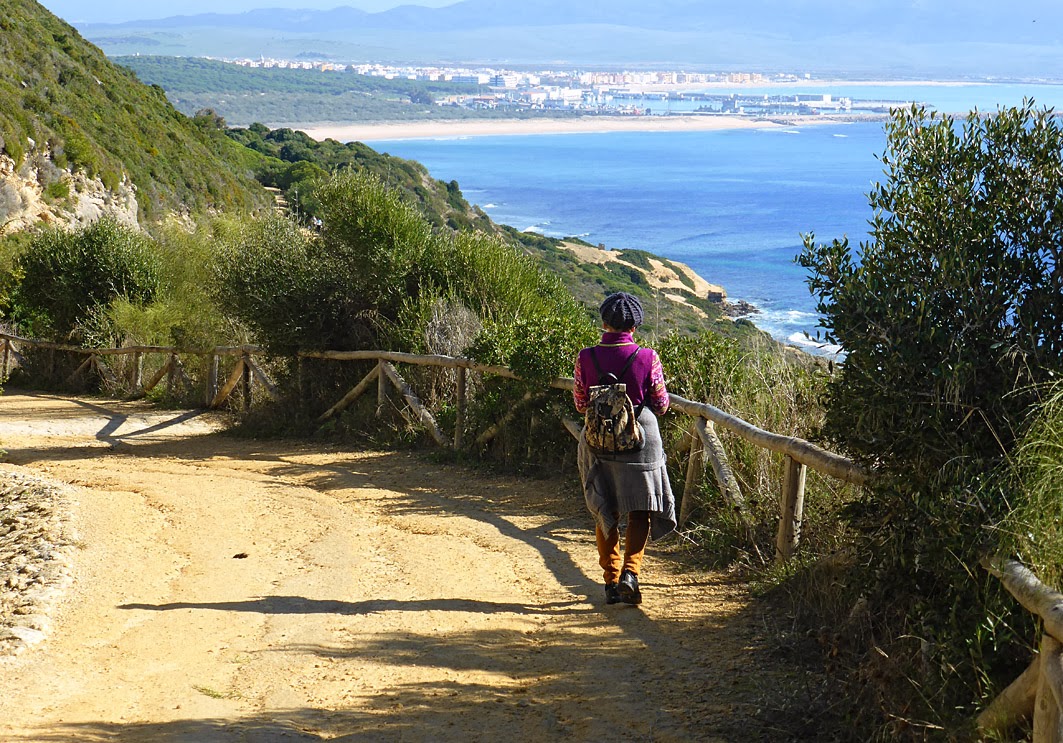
234,590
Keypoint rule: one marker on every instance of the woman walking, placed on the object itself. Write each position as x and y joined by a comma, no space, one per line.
629,487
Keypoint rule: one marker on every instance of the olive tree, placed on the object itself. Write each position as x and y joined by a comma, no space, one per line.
951,319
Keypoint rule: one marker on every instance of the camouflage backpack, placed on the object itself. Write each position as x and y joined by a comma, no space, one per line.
612,422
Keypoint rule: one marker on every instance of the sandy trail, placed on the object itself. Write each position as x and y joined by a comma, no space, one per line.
228,589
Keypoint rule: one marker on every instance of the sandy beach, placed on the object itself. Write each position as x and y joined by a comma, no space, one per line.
588,125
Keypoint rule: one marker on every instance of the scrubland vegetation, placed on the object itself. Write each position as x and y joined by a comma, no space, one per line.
951,317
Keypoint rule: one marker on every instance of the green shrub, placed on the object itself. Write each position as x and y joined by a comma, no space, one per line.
80,154
378,275
375,240
67,275
183,312
278,280
952,322
58,190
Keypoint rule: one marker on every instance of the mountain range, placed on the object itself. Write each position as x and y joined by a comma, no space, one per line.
876,38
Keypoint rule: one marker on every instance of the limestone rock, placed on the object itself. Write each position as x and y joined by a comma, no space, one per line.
24,203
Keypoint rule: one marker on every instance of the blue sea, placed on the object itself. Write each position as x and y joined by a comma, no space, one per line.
731,204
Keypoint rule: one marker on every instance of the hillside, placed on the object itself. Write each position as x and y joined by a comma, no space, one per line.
84,137
244,95
949,39
65,110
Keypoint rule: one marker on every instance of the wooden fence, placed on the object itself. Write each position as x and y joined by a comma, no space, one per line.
1038,693
706,449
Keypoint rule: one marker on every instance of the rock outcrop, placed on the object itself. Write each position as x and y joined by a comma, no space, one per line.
37,191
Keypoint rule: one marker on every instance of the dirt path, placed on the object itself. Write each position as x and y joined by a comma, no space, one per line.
227,589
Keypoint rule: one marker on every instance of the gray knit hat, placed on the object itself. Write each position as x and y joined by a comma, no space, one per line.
621,311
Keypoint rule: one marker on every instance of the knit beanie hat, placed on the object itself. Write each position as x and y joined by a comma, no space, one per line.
621,311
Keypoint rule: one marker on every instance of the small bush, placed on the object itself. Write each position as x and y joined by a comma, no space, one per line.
67,275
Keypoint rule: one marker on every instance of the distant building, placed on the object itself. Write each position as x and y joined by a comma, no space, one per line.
475,79
504,81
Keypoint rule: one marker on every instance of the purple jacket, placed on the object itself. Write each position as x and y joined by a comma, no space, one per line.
644,380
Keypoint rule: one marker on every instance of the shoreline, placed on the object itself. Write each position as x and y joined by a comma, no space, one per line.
461,128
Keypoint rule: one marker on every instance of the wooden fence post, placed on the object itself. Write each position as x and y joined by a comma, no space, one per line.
246,401
459,415
1014,704
504,421
1047,712
381,388
423,416
721,468
226,389
171,375
695,469
165,369
792,509
85,366
7,352
574,427
350,396
214,362
136,374
1038,692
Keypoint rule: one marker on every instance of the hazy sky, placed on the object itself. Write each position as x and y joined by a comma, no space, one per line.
116,11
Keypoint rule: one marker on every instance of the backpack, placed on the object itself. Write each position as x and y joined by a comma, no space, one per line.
611,421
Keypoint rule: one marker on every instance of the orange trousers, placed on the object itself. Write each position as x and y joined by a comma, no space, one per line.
638,534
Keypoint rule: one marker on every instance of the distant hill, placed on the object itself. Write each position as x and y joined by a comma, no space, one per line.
883,38
66,109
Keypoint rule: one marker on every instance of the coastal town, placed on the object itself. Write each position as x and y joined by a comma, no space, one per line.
632,92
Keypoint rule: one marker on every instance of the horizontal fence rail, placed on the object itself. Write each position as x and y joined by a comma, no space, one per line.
705,446
1037,694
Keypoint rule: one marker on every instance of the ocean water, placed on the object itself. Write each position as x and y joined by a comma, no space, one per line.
731,204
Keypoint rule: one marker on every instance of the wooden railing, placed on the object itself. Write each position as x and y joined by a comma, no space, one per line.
1037,694
705,446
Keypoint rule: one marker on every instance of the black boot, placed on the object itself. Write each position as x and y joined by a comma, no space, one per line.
628,588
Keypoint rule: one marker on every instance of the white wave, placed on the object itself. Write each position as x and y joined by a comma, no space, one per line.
534,229
821,348
796,317
490,206
841,136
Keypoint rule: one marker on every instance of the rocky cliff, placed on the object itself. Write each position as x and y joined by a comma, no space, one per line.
36,191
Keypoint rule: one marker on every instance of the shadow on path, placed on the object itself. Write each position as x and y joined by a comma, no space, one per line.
733,691
300,605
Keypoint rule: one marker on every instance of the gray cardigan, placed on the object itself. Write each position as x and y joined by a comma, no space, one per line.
616,484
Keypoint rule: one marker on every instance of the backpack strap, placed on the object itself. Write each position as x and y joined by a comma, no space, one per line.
630,361
597,366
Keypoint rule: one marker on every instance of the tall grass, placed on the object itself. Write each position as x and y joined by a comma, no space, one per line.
778,391
1033,530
